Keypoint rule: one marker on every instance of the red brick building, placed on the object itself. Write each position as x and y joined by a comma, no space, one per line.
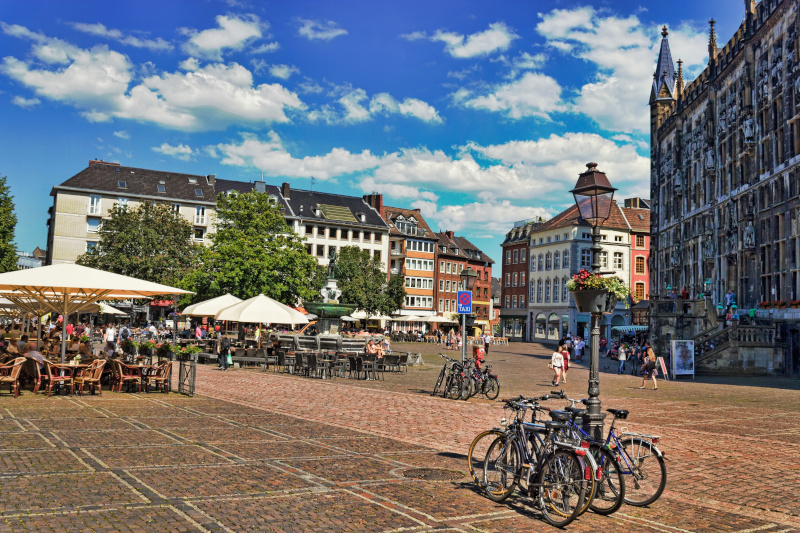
514,282
637,212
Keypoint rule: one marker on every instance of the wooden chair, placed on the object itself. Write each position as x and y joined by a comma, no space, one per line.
159,377
54,377
125,374
10,374
91,376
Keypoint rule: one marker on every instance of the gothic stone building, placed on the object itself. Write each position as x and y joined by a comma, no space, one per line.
725,178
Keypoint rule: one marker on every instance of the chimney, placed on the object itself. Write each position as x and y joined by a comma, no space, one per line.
211,178
375,200
449,234
261,186
285,190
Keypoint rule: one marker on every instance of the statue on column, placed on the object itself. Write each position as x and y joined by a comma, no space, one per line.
749,237
749,134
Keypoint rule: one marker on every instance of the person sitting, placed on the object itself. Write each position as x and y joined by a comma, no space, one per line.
110,350
371,349
85,351
13,347
30,351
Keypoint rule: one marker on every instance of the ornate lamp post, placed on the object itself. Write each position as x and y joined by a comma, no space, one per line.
468,277
707,287
593,195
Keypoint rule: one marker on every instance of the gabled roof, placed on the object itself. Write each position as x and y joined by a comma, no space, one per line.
303,205
106,178
223,186
392,214
520,233
460,247
638,219
571,217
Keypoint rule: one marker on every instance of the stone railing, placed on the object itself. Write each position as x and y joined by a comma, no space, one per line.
737,336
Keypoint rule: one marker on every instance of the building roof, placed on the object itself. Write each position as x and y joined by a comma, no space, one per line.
497,287
393,214
521,232
571,217
460,247
109,178
638,219
665,72
223,186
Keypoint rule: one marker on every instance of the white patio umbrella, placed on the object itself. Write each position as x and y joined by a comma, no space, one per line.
211,307
69,288
435,319
346,318
409,318
262,309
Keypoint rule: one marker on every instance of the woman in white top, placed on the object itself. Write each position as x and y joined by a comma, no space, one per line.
556,362
622,358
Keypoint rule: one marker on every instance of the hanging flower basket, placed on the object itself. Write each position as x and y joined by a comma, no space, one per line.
594,293
595,301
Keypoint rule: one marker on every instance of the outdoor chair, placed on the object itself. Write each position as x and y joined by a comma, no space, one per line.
91,376
126,374
355,366
390,361
311,364
299,363
159,377
54,377
10,374
39,377
402,362
369,364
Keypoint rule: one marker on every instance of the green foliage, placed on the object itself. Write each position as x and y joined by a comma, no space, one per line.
8,221
253,251
150,242
362,280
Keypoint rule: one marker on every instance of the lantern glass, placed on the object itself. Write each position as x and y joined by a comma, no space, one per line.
468,277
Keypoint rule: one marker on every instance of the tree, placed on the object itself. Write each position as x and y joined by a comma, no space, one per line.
362,280
8,221
150,242
253,251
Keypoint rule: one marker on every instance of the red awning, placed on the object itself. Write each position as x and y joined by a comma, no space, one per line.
161,303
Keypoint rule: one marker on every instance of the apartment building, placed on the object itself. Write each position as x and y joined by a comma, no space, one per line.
513,280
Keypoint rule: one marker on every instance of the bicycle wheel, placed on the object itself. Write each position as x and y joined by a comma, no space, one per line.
467,386
500,469
492,388
646,470
591,483
610,487
562,488
439,381
477,453
455,384
474,386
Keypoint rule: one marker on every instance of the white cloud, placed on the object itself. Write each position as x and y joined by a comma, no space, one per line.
524,61
98,82
272,157
357,106
624,52
496,216
394,190
319,30
233,33
181,151
122,134
497,37
384,103
533,95
283,72
102,31
25,103
267,48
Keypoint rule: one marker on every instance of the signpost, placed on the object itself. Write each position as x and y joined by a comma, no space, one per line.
464,302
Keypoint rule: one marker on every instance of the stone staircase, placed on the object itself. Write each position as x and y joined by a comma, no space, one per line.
739,349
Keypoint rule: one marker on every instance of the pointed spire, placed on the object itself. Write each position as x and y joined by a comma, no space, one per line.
712,43
665,71
679,85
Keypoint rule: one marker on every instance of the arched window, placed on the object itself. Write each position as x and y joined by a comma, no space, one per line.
548,261
556,289
556,260
539,290
565,259
547,291
541,262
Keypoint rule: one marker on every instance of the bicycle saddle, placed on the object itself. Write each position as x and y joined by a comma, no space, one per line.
560,416
576,413
622,414
553,425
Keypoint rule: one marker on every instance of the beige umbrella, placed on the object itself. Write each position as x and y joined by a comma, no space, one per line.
435,319
69,288
211,307
409,318
262,309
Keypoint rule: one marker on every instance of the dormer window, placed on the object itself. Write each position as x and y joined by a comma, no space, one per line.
122,184
198,192
193,181
161,188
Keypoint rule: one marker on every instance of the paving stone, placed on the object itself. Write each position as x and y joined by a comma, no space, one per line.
122,437
223,434
82,424
347,469
138,520
276,449
24,441
150,456
441,500
371,445
40,461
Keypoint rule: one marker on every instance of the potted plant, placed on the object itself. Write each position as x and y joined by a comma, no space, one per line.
781,304
166,349
190,352
146,348
83,338
594,293
129,346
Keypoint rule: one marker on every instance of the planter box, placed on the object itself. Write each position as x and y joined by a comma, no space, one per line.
596,301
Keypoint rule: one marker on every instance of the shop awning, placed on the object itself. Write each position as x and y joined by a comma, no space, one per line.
629,329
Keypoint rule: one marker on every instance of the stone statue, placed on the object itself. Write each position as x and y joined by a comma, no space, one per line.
708,248
748,130
710,160
731,244
749,237
332,264
678,180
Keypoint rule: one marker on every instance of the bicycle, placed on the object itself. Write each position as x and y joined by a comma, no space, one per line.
482,381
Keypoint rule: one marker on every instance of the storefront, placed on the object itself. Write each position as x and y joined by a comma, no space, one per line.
513,325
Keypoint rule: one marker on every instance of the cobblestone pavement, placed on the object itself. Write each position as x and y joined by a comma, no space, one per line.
270,452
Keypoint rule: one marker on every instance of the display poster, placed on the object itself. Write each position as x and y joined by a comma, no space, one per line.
682,358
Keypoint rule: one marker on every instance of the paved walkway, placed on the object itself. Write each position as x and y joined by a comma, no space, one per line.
269,452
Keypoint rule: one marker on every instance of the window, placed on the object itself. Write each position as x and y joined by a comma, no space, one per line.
640,241
565,259
603,259
640,265
368,236
522,301
522,279
557,238
556,260
639,291
547,290
617,260
453,305
448,267
193,181
541,262
586,258
548,261
548,239
508,280
555,290
516,280
377,254
508,257
533,265
199,234
310,249
617,238
485,275
320,250
447,286
161,188
564,290
122,202
93,225
603,237
586,235
566,236
441,305
176,207
522,254
200,215
309,230
539,290
90,246
441,285
122,184
516,256
198,192
447,304
514,301
508,301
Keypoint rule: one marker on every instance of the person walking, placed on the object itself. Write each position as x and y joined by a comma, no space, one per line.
565,354
223,349
650,369
623,356
579,346
487,340
556,363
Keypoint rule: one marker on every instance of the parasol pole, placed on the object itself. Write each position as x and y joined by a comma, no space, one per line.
64,329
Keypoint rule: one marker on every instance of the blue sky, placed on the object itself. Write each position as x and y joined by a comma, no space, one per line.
478,113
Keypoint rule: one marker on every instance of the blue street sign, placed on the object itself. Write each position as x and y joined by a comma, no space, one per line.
464,300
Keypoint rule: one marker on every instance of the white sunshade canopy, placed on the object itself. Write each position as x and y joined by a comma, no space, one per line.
211,307
262,309
438,319
408,319
362,315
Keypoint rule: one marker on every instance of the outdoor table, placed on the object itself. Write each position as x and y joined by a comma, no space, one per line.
64,367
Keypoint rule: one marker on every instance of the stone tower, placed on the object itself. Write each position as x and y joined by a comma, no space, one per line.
662,95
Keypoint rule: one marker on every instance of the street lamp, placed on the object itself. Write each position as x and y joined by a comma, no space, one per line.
594,195
707,287
468,277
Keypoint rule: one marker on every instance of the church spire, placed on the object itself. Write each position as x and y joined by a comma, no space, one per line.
679,84
712,44
664,77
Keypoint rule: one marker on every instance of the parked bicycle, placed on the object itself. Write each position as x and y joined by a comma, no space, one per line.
482,381
452,381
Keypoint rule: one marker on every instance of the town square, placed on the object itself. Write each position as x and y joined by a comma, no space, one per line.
346,266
